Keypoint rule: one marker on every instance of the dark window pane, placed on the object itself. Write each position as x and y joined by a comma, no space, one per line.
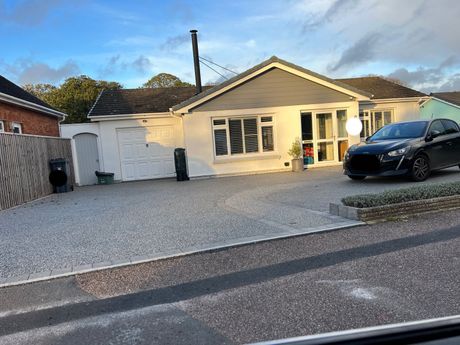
267,139
220,138
307,127
236,136
266,119
341,123
450,126
378,116
251,140
219,122
387,117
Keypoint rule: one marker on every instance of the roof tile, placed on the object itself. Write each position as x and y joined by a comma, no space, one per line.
9,88
452,97
139,101
382,88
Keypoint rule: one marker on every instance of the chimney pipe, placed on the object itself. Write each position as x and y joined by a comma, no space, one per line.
196,61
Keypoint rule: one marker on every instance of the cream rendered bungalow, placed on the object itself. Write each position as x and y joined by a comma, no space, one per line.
245,125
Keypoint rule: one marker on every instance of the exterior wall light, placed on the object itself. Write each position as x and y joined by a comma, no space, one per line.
354,126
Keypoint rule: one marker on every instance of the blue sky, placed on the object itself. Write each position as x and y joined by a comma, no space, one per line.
45,41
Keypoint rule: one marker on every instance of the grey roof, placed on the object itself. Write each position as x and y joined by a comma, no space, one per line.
451,97
139,101
9,88
261,65
382,88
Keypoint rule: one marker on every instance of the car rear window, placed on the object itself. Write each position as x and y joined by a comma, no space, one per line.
401,131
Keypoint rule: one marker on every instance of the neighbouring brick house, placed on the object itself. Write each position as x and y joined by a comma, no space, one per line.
23,113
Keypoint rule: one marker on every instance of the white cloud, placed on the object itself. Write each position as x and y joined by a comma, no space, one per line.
250,43
26,71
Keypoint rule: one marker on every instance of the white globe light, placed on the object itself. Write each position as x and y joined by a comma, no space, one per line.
354,126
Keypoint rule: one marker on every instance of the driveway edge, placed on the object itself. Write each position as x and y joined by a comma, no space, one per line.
99,266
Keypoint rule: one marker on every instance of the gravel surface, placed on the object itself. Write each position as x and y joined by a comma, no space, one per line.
103,223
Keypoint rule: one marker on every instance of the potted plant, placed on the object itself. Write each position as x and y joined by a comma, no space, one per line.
296,153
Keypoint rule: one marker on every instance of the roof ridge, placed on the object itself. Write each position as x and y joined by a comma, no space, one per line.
154,88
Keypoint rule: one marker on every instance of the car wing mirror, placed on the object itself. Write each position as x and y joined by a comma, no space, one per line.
432,135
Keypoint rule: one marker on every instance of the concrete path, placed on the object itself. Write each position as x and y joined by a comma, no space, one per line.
106,225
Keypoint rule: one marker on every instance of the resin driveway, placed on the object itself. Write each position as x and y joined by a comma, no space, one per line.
154,218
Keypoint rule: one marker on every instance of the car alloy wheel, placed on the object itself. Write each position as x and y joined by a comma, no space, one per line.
420,169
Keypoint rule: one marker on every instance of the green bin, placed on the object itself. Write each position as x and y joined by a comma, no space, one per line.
104,177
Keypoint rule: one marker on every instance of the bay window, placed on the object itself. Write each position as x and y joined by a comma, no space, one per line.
243,135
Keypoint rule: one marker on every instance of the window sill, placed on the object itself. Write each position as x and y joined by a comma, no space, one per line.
244,158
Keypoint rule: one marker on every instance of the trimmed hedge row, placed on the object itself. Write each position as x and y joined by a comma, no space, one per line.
403,195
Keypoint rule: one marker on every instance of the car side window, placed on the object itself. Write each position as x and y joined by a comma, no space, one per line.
437,129
450,126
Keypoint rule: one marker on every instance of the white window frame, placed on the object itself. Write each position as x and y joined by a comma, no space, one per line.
16,125
2,126
369,115
260,124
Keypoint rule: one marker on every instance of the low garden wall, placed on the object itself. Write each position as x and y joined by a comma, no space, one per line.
399,203
395,211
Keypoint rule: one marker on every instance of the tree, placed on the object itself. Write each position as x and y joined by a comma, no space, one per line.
45,92
75,96
165,80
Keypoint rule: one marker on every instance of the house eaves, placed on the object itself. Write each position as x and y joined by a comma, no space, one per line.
29,105
395,100
99,118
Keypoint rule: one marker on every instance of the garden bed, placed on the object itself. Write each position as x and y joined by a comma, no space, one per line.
399,203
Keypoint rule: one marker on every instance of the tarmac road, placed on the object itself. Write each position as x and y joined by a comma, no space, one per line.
364,276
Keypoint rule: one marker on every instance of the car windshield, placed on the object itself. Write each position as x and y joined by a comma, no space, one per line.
401,131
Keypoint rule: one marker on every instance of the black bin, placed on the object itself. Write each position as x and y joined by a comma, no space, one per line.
181,164
59,175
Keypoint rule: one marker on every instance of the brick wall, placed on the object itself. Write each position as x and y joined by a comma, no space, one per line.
32,122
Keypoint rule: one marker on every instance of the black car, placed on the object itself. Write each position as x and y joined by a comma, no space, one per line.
413,148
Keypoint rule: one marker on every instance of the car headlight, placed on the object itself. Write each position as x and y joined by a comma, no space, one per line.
398,152
347,155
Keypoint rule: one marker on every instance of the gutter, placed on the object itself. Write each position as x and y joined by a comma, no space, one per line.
395,100
29,105
128,116
173,114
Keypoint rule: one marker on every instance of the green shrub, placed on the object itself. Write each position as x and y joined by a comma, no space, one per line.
403,195
296,149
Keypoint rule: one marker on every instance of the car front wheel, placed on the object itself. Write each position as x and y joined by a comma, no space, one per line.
357,178
420,168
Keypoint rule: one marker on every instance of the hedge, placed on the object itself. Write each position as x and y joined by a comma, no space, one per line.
403,195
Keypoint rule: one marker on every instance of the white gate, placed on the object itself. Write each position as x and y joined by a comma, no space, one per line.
87,158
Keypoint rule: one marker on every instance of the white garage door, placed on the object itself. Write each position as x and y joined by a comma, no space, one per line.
146,152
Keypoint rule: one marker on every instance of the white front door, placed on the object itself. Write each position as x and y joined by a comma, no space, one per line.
324,136
146,152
